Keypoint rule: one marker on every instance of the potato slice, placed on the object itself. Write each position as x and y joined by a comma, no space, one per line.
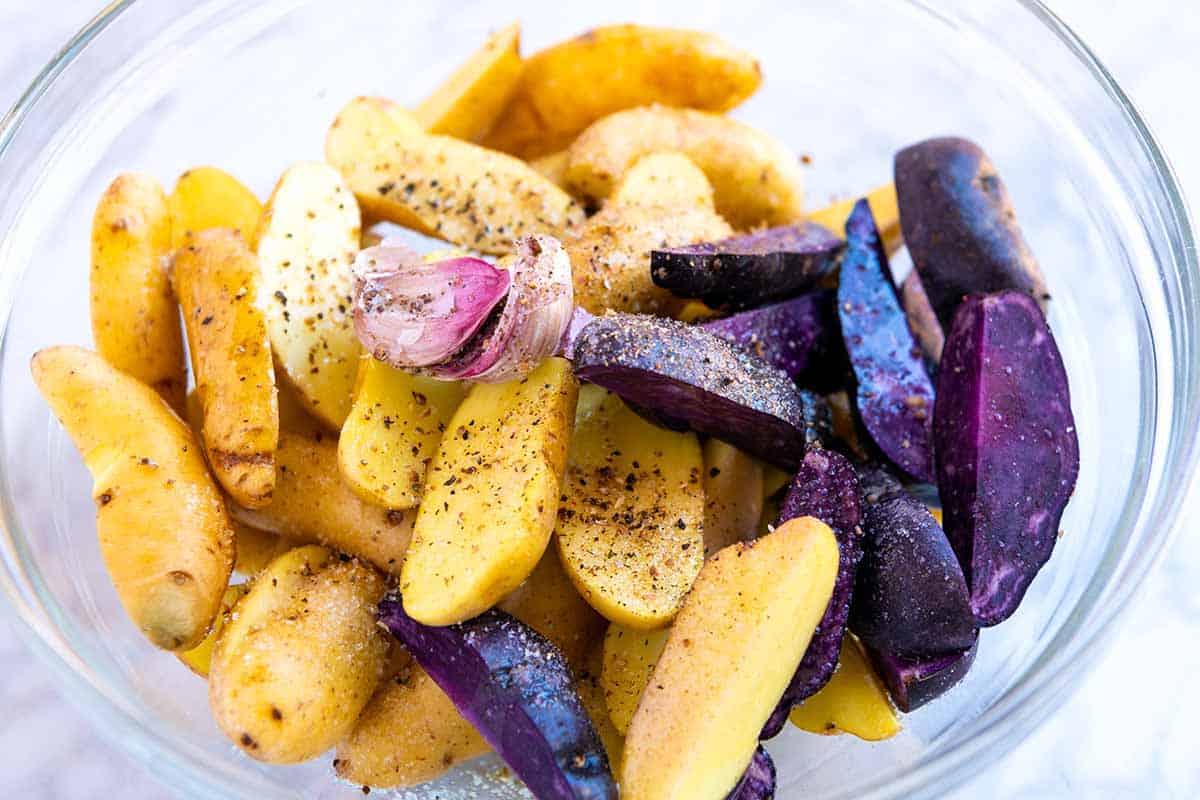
312,503
207,197
629,659
565,88
854,701
216,278
306,243
659,203
164,533
441,186
731,652
553,167
468,102
256,549
199,658
630,526
756,178
592,695
733,496
299,657
492,496
885,208
395,424
135,321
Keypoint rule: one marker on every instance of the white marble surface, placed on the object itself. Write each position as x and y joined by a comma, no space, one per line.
1127,732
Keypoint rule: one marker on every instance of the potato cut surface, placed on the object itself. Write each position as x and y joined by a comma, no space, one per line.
629,659
468,102
854,701
733,496
884,207
208,197
199,658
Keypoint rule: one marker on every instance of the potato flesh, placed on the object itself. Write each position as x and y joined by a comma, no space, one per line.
664,179
492,495
207,197
733,496
395,424
730,654
854,701
164,534
884,207
199,658
299,657
629,659
307,241
135,321
630,525
468,102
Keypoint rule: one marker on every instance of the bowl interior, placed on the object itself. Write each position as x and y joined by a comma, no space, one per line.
252,89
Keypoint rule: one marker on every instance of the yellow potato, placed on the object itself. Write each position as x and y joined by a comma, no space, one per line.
629,659
885,207
591,694
299,657
164,533
846,426
409,733
552,167
294,414
207,197
256,549
199,657
731,652
312,503
306,243
135,320
565,88
854,701
216,278
610,253
630,525
393,429
755,177
733,496
492,496
442,186
468,102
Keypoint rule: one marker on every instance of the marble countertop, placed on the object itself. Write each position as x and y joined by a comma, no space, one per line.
1124,733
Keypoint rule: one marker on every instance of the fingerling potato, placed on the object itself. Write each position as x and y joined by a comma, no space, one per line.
553,167
885,207
199,658
256,549
854,701
207,197
733,496
629,659
468,102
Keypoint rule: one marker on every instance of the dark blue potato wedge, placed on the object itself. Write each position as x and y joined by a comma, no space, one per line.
959,225
825,487
750,270
922,320
1008,451
910,597
913,682
758,782
894,394
682,374
799,336
515,687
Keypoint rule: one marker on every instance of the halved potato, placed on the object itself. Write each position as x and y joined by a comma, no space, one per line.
591,693
306,243
492,495
854,701
135,320
629,659
199,657
733,496
630,524
256,549
553,167
207,197
885,207
664,179
468,102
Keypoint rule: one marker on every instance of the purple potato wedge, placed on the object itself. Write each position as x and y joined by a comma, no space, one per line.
910,597
758,781
800,336
825,487
894,394
683,374
515,687
749,270
922,320
959,225
1008,451
913,682
876,482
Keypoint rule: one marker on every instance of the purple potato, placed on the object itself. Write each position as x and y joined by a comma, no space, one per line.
758,781
751,269
922,320
913,682
800,336
515,687
825,487
959,225
910,597
876,482
894,395
1008,454
681,373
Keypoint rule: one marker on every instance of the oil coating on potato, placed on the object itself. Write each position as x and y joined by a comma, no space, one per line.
629,659
299,657
854,701
468,102
216,279
164,534
755,177
135,321
441,186
567,87
207,197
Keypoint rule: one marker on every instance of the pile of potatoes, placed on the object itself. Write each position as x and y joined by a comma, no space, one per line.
324,476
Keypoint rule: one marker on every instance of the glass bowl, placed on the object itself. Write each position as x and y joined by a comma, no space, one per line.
250,87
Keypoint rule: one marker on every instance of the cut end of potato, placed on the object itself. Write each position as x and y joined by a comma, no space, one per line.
468,102
208,197
854,701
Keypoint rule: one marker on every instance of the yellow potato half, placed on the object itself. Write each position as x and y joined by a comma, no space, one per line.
854,701
733,496
207,197
199,658
468,102
629,659
885,207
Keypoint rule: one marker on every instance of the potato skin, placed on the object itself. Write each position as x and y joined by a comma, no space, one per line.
199,658
300,656
467,103
567,87
164,533
207,197
135,322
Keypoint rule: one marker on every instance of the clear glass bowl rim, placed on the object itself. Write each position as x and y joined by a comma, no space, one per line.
1044,688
